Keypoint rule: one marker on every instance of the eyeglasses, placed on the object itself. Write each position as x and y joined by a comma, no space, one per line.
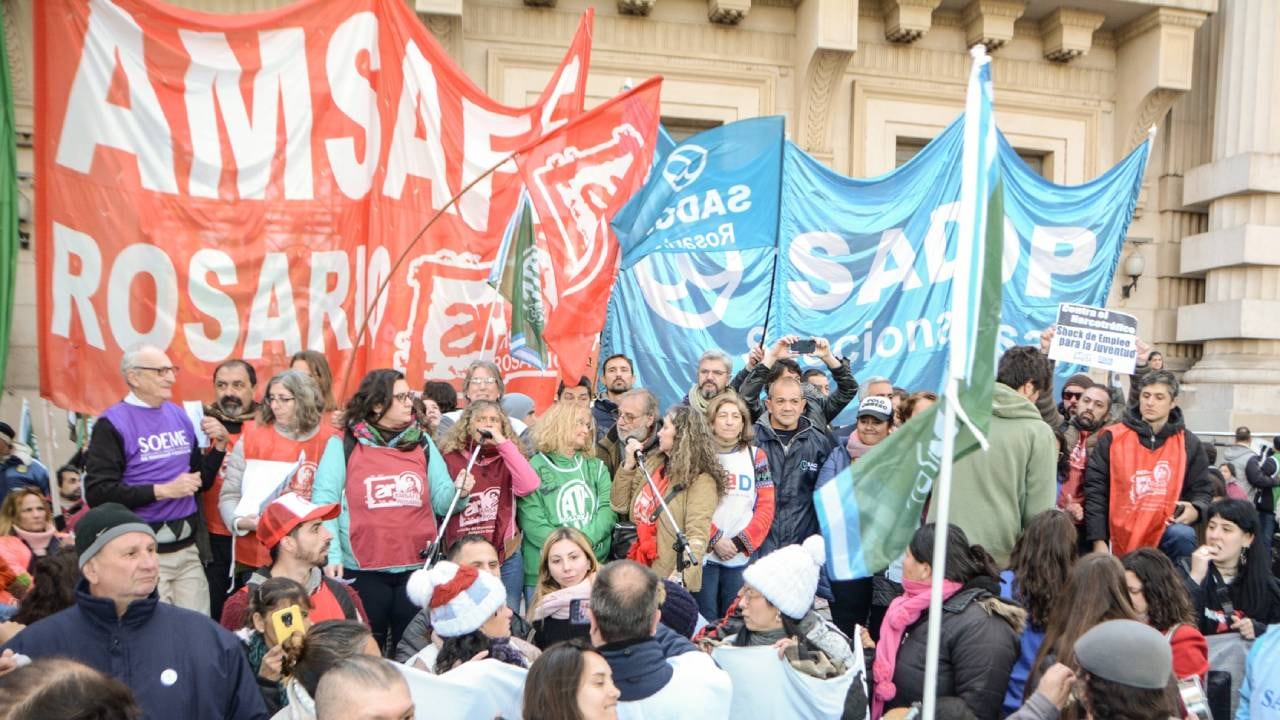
1071,395
749,594
630,417
273,399
161,371
404,397
483,381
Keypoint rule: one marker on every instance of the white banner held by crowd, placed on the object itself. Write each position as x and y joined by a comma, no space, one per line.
1096,337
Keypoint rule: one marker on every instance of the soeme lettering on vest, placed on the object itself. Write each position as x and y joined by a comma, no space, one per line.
163,445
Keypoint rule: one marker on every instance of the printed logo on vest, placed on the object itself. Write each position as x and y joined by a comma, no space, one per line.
161,445
1148,488
575,504
481,508
303,479
388,491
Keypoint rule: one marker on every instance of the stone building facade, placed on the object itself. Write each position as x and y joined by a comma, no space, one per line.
864,83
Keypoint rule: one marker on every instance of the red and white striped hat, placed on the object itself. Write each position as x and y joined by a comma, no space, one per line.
459,598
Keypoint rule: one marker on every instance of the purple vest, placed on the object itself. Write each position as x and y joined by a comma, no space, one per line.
157,449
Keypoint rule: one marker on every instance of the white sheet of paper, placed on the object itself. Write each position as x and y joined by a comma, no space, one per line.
195,411
261,479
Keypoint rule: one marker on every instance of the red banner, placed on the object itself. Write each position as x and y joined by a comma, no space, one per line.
579,176
240,186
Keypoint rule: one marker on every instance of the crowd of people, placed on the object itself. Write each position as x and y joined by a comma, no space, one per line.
454,553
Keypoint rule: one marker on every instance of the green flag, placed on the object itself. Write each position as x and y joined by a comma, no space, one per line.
518,277
8,209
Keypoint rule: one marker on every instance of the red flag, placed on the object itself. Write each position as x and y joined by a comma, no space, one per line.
579,177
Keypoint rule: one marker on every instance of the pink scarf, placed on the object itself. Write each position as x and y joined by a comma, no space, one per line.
38,541
903,612
855,446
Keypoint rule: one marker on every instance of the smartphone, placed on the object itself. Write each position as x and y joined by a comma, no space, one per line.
286,622
578,612
1194,699
804,347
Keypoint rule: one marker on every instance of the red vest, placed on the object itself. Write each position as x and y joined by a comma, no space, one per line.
491,505
324,606
209,498
264,443
390,518
1145,485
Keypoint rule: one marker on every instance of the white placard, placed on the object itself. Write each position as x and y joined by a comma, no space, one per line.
261,482
1095,337
195,411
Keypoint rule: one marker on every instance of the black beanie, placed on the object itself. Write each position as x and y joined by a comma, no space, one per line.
103,524
680,610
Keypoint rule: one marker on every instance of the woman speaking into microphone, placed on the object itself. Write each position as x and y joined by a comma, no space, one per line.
687,480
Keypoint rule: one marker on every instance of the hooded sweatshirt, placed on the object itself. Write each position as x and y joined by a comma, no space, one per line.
996,492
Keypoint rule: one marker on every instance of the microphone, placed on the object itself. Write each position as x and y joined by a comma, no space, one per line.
485,434
639,455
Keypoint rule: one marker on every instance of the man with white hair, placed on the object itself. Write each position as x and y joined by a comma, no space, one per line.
715,367
143,454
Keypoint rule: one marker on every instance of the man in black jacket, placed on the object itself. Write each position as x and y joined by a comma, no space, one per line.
796,448
778,360
1139,489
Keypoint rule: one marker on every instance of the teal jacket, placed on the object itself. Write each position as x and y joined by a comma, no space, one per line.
574,491
331,483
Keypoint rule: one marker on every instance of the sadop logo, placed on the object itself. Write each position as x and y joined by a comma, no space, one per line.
684,165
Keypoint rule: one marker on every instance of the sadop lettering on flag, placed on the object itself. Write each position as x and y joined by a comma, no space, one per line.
869,512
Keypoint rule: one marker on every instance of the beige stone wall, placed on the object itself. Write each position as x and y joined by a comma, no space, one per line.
1077,82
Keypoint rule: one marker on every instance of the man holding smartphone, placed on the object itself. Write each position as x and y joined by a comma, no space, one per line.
779,360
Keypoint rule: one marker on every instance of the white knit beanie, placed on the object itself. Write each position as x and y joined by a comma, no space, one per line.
788,576
459,598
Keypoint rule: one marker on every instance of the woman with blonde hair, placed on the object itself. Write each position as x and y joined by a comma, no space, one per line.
565,572
502,474
574,487
27,532
690,478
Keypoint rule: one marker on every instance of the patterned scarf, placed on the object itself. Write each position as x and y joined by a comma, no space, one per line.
366,433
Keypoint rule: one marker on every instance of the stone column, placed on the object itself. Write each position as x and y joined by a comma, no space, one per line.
1237,381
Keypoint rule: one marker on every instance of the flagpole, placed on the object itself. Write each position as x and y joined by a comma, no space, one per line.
941,501
973,221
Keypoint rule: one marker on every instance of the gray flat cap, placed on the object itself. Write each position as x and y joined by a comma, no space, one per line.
1126,652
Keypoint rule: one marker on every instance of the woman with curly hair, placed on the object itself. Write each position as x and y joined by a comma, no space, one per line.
689,476
1161,601
1039,568
1095,593
53,589
573,487
502,474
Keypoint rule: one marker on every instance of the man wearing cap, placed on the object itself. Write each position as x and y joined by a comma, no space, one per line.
17,472
1125,671
143,455
178,663
292,529
996,492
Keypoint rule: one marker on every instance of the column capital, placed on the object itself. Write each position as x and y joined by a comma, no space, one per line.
447,8
1067,33
990,22
906,21
826,39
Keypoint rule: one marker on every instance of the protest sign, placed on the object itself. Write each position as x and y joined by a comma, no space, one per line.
240,186
1095,337
262,482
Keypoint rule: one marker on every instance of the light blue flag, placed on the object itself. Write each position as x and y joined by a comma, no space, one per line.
718,190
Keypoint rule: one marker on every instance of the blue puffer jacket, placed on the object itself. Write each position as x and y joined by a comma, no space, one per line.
178,663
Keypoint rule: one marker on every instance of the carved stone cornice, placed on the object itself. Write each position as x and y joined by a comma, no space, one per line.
822,77
540,3
447,8
1067,33
636,7
991,22
1160,17
906,21
727,12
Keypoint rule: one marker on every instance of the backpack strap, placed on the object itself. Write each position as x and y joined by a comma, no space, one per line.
343,597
